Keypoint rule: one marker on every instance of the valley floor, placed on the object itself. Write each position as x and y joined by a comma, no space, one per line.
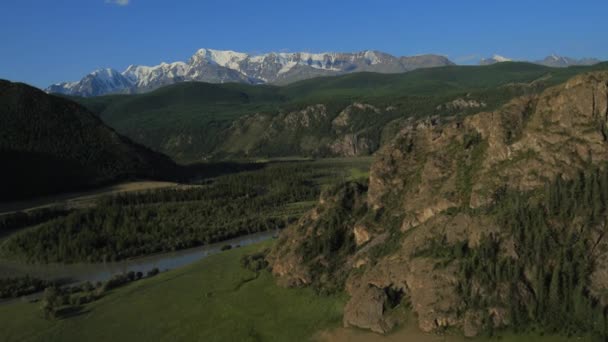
81,199
213,300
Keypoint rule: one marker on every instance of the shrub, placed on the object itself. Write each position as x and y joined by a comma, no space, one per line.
153,272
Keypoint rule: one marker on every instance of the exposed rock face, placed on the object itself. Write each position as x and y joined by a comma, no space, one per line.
537,137
461,104
367,311
361,234
305,130
306,117
351,145
291,263
345,117
421,181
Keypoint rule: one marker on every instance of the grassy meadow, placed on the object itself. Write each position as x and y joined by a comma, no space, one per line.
212,300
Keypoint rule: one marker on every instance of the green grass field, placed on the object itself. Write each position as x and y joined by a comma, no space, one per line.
213,300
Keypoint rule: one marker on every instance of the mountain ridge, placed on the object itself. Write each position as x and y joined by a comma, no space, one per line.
223,66
552,60
193,121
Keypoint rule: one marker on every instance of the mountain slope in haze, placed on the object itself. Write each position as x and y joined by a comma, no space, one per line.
494,59
562,62
496,220
49,144
554,61
215,66
329,116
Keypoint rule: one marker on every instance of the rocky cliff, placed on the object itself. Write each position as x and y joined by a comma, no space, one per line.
444,225
312,130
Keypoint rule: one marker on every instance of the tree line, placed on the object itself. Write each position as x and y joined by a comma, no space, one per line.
556,233
135,224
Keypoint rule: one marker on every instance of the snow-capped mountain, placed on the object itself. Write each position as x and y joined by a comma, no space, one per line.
216,66
550,61
562,62
99,82
145,76
494,59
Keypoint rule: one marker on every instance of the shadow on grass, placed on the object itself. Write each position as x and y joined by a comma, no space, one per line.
71,312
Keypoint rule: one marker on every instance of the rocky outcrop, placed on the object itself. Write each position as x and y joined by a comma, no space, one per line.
522,144
306,245
367,311
304,132
345,117
431,183
352,145
306,117
461,104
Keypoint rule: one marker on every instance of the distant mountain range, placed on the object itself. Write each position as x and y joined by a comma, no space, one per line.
550,61
215,66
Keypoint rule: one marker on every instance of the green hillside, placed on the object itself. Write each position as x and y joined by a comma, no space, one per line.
191,121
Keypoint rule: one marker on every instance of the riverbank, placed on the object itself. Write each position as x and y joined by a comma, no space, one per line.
211,300
70,274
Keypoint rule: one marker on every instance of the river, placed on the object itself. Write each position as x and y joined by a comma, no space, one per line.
94,272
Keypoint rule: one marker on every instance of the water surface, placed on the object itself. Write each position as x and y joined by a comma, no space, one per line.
93,272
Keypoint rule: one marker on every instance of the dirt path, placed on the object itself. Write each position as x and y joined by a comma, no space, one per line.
84,198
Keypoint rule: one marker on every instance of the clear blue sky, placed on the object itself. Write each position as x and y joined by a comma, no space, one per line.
46,41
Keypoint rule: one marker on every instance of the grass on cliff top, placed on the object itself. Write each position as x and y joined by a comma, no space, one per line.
212,300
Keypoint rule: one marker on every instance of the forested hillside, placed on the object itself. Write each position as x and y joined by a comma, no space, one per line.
50,144
346,115
135,224
493,221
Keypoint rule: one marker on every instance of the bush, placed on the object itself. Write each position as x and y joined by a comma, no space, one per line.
255,262
153,272
22,286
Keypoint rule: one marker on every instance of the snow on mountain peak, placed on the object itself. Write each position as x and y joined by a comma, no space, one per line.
500,58
372,57
226,58
142,75
218,66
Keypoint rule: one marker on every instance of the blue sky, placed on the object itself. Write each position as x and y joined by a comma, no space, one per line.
47,41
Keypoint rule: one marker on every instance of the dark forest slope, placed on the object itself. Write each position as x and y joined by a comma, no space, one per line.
50,144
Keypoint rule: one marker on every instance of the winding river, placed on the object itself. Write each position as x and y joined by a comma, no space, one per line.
93,272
